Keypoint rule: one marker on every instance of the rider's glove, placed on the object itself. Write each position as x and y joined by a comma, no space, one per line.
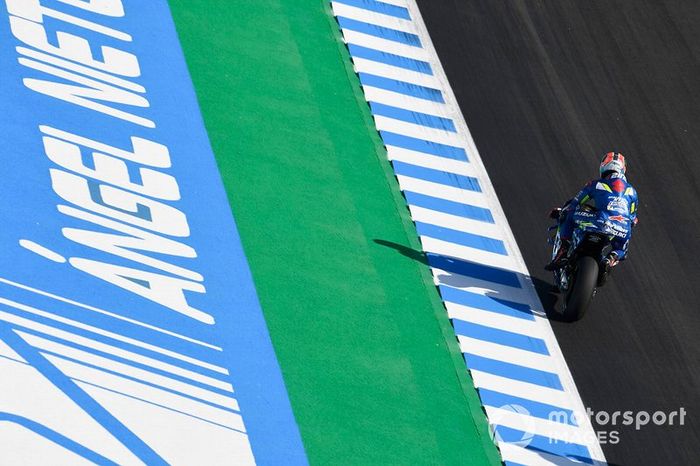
554,214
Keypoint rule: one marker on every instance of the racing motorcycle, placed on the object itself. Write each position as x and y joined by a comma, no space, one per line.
584,270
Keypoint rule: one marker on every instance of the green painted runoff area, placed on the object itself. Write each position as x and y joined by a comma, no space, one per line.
369,359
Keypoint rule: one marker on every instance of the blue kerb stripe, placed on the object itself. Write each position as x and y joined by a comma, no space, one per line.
410,116
486,303
543,444
401,87
535,408
449,207
513,371
472,269
460,237
421,145
510,463
436,176
379,7
379,31
390,59
501,337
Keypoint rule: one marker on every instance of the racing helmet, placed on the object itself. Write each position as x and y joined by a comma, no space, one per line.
613,162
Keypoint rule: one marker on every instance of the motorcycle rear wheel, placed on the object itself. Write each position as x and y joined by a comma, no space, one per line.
581,293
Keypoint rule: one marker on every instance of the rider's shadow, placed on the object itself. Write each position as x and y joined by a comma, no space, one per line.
461,274
549,296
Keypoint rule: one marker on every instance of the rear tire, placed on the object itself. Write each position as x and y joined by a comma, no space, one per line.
579,297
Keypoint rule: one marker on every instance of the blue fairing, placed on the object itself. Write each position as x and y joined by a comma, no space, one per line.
601,222
609,206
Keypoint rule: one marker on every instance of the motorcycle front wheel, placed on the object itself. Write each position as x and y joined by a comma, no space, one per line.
581,291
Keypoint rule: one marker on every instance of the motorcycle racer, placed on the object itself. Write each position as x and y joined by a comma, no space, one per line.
611,197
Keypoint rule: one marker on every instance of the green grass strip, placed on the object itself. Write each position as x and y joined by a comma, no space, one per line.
373,371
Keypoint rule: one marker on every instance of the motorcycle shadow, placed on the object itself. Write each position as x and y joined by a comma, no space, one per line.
546,291
549,297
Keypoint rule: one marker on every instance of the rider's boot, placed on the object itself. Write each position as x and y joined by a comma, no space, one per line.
560,259
607,265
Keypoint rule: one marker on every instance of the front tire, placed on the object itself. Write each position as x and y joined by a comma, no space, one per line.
581,293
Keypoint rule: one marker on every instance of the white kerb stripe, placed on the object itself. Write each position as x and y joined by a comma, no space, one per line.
425,133
521,389
504,353
535,425
377,43
362,65
458,251
529,328
453,222
396,99
478,286
442,191
518,454
368,16
444,164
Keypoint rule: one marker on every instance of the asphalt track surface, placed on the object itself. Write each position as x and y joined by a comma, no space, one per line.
546,88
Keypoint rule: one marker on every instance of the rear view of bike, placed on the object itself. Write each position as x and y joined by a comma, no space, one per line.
581,273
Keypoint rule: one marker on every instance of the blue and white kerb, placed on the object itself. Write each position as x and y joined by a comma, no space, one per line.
507,342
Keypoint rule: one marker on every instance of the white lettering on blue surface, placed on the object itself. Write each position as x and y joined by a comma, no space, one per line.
101,7
111,170
119,204
121,226
163,289
94,177
26,22
132,238
33,10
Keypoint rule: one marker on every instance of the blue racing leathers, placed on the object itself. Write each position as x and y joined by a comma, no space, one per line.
614,205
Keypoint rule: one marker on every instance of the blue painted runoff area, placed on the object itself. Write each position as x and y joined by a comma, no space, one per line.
119,246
